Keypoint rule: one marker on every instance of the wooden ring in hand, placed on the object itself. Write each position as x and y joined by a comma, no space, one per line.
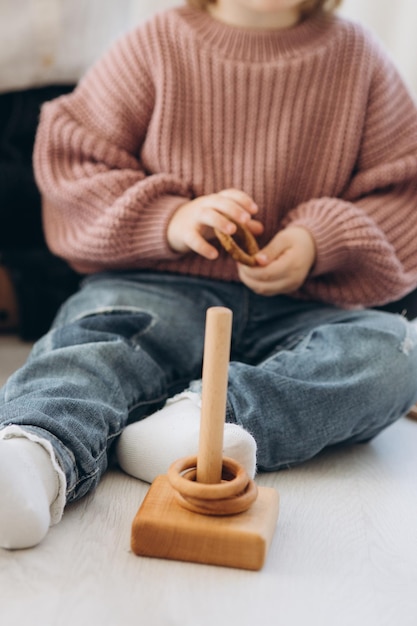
241,246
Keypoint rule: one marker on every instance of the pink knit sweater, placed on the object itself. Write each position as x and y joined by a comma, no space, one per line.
313,122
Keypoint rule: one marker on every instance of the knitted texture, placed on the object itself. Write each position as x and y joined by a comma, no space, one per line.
313,122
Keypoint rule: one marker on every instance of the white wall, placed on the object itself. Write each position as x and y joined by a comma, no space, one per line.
395,22
142,9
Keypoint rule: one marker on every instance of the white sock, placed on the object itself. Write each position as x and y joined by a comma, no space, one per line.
28,485
147,448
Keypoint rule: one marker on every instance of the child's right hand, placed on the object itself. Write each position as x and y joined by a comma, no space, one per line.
191,226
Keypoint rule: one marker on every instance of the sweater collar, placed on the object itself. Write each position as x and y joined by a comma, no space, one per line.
255,45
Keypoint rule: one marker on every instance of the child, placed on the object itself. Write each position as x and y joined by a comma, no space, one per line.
272,113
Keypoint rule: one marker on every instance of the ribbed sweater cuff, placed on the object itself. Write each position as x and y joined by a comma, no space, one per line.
154,224
322,218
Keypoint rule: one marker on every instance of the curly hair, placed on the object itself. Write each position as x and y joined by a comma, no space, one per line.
308,7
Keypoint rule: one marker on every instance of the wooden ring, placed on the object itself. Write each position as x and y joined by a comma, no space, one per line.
225,506
242,246
187,486
233,495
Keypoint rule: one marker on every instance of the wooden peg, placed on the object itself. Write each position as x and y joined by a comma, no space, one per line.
214,392
207,509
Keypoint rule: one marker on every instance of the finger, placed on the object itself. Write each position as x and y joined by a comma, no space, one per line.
272,251
223,223
282,285
196,243
220,212
255,227
277,272
241,198
259,287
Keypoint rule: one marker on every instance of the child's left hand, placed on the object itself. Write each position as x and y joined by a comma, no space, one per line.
283,265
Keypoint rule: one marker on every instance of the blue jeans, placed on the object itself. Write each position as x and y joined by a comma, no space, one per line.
303,375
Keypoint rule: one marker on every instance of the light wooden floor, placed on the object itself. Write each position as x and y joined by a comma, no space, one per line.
344,552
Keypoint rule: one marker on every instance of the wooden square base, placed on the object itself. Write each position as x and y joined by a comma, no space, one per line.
162,528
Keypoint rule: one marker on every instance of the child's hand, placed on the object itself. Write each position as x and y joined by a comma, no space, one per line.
284,263
192,224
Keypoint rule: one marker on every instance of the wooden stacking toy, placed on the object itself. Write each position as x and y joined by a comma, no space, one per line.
207,509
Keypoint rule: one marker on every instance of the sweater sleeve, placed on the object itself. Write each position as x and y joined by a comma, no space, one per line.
366,238
102,209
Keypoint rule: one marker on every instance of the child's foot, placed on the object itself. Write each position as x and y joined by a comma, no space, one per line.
147,448
28,486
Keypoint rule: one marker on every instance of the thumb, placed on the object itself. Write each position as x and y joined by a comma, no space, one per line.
271,251
262,257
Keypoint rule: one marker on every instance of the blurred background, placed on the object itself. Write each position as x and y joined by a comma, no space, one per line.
80,30
395,23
